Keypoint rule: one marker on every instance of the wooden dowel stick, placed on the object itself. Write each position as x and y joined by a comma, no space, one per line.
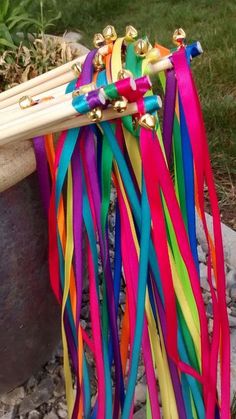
79,121
56,92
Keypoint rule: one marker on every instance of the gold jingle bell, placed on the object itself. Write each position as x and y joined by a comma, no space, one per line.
86,88
120,105
76,68
95,115
130,33
179,37
98,62
25,102
147,121
109,34
124,74
153,56
141,47
98,40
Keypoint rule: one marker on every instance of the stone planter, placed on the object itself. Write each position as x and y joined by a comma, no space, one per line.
29,314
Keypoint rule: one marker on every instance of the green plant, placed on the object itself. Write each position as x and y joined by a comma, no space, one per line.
43,22
13,18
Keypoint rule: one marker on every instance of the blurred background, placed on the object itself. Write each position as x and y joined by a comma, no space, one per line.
212,22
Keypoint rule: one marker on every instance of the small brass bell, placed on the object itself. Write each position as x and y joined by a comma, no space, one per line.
141,47
179,37
95,115
76,68
25,102
98,62
120,105
86,88
109,34
124,74
153,56
130,33
98,40
147,121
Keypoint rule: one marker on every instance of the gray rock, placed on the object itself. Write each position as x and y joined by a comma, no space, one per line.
13,397
140,393
62,413
40,395
26,405
59,389
232,293
122,297
203,277
201,254
232,321
229,239
233,311
31,383
209,309
8,415
62,410
140,414
231,278
51,415
34,414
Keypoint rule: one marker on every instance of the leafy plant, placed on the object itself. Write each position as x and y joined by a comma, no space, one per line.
43,22
23,63
13,18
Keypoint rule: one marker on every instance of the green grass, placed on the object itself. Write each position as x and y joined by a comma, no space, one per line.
212,22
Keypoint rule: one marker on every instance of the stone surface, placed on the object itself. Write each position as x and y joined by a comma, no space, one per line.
232,293
231,278
229,240
13,397
140,414
51,415
140,393
203,277
29,315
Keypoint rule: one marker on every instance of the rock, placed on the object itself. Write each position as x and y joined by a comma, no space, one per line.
233,311
232,321
51,415
122,297
140,414
14,397
203,277
9,415
201,254
59,389
31,383
140,393
72,37
209,309
231,278
229,239
232,293
34,414
62,413
40,395
62,410
26,405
